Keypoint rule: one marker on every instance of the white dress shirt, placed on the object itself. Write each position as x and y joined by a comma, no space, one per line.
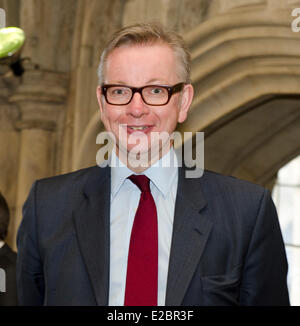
125,197
2,243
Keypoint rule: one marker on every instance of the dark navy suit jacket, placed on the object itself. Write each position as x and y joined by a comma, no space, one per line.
227,247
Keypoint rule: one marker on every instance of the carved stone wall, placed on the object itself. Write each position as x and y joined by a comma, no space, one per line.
246,75
246,72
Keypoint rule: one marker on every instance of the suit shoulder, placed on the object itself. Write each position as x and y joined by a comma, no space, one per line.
225,183
68,178
54,194
233,200
68,183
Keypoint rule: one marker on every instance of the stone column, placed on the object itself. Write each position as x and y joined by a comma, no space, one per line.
9,142
40,98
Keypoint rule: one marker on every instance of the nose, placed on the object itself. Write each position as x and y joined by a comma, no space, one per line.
137,106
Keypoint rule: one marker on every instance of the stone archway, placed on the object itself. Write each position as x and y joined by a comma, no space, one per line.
246,73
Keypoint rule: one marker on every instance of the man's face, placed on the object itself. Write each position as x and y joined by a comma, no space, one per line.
139,66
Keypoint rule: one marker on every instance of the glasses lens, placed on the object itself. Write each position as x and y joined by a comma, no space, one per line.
155,95
118,94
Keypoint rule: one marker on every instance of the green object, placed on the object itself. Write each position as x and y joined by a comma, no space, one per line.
11,41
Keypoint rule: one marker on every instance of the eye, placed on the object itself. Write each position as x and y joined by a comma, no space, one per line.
119,91
156,90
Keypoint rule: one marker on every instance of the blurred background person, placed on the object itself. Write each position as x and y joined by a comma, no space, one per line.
7,259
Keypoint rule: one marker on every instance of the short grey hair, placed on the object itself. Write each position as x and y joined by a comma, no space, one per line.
144,34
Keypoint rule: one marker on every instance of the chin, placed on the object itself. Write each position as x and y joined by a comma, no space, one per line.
134,150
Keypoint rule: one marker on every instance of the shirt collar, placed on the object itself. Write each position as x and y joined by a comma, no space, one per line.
2,243
162,173
119,173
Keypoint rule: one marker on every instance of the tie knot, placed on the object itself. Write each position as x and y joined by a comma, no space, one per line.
141,181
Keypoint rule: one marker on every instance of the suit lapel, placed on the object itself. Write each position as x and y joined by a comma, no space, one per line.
91,219
191,229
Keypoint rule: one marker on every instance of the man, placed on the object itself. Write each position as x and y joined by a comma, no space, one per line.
8,286
144,234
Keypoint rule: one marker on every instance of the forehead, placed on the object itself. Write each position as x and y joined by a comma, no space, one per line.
140,64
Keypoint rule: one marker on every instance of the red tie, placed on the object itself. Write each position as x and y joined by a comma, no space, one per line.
142,266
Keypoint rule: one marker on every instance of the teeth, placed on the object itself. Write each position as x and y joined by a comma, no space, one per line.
137,128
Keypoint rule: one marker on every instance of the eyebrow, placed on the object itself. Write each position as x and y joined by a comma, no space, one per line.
153,80
156,80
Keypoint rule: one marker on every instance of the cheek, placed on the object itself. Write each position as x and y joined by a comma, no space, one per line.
169,119
109,117
167,123
105,120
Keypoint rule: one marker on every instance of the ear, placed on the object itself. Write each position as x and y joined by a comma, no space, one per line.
99,98
186,101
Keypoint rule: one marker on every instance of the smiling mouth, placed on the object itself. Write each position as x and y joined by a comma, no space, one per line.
138,128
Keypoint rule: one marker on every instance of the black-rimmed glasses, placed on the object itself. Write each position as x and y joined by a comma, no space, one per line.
151,94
